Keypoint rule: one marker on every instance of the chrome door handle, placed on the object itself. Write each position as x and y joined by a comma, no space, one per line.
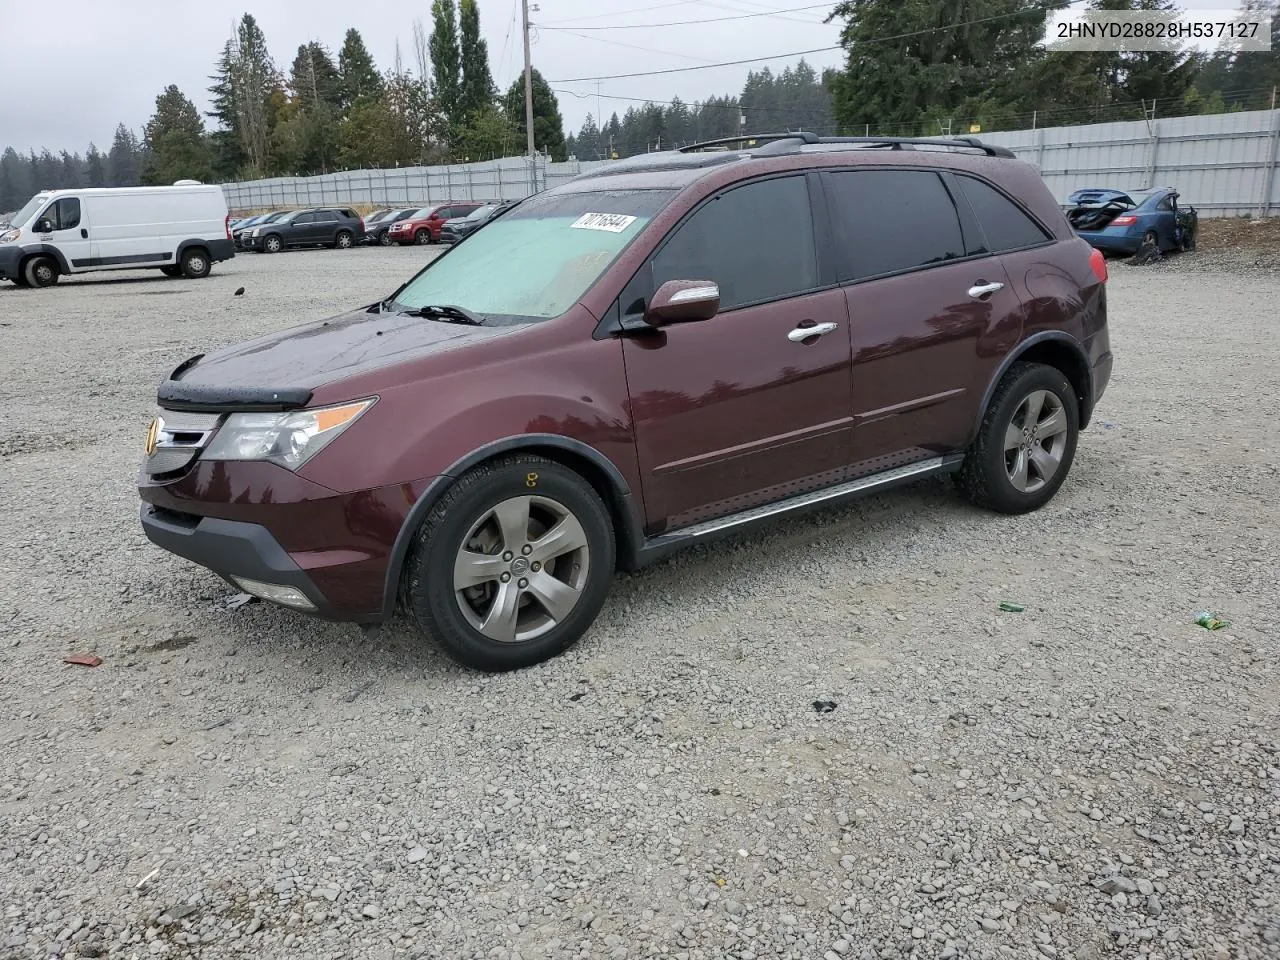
980,290
800,334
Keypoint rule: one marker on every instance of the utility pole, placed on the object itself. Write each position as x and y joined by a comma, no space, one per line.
528,85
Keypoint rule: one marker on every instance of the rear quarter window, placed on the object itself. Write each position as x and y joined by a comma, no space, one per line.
1005,225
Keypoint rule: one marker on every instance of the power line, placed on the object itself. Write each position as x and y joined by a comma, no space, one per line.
618,13
802,53
685,23
631,46
780,14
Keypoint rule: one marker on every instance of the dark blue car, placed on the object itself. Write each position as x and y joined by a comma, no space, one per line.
1122,221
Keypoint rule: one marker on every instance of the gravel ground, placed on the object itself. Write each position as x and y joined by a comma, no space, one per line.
1096,776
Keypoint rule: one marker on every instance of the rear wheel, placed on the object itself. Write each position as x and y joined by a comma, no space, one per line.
1150,239
1026,443
41,272
343,240
422,237
195,263
512,565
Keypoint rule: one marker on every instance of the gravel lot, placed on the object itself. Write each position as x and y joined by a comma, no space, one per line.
1097,776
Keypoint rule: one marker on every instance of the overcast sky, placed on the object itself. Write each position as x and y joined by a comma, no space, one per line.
102,62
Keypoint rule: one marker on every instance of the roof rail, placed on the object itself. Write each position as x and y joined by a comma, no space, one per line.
770,143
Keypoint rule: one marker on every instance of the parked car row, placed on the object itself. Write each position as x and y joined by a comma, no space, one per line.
342,227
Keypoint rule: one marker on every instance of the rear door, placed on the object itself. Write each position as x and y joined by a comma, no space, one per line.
324,226
931,313
68,220
741,409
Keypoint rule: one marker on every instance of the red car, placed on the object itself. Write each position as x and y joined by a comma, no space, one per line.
617,368
424,226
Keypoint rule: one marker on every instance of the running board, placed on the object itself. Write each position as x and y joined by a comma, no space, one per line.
709,529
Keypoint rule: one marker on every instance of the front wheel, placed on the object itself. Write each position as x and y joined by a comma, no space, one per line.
1026,442
512,565
384,239
422,237
41,272
272,244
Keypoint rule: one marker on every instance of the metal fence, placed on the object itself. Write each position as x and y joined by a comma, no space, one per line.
1223,164
510,179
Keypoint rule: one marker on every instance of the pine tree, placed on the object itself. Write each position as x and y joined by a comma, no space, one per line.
71,172
446,61
175,138
477,91
586,146
94,171
314,79
548,127
124,161
228,154
360,81
15,185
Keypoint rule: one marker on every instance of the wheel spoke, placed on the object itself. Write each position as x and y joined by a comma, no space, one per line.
1012,437
471,569
500,622
565,536
1032,406
1046,463
1018,472
1053,424
513,520
555,596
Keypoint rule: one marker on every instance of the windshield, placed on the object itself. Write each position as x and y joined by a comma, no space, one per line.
380,215
538,259
34,204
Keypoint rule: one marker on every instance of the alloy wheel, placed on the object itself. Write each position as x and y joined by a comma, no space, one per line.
521,569
1035,441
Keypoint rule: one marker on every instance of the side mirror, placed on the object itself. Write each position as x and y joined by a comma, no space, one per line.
44,225
683,301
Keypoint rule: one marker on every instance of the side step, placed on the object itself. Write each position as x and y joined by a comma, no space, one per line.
660,546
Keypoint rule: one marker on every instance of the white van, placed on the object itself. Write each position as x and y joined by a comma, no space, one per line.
183,230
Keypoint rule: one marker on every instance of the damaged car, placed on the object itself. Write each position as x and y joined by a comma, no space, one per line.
1126,221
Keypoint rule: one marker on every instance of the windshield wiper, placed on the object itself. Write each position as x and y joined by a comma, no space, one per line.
449,313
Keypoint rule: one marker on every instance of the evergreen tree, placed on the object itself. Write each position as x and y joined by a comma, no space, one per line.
477,89
314,79
228,154
246,95
95,171
15,181
176,141
71,172
586,145
446,61
124,160
487,136
548,127
360,81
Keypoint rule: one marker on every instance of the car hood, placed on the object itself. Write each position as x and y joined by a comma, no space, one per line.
317,353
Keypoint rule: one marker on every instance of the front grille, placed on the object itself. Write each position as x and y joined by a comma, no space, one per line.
180,438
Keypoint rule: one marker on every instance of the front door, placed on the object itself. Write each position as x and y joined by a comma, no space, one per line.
68,221
931,313
744,408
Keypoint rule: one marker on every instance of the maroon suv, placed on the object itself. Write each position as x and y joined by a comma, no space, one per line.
619,367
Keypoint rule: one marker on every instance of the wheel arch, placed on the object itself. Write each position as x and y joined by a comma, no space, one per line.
186,245
45,250
589,463
1055,349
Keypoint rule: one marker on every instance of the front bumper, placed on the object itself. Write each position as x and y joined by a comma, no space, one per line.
10,258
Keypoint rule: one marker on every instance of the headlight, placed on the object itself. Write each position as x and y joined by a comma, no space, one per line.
256,231
10,236
287,439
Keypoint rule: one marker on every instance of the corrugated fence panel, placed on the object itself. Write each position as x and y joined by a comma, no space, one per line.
1223,164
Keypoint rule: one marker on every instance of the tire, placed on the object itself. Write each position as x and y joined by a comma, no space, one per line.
272,244
41,272
384,239
195,263
423,237
534,495
1015,478
171,270
343,240
1150,239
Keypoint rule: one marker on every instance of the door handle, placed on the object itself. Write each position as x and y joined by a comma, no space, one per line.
982,289
84,233
802,333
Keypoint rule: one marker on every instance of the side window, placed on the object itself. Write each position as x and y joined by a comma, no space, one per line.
722,242
1006,227
892,220
326,216
304,218
68,213
443,213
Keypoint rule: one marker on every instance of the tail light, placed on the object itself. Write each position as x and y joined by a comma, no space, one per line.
1098,264
227,225
1126,221
362,224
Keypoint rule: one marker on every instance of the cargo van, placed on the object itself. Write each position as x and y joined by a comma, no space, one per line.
181,230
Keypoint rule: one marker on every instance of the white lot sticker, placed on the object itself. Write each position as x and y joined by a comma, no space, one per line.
611,222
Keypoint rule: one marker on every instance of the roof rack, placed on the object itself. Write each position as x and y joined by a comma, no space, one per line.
773,143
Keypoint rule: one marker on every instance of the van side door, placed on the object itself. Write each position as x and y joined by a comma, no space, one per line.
67,223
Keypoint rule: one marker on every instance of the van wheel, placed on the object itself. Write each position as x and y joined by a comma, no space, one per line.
422,237
512,565
1026,443
41,272
196,264
171,270
343,240
273,244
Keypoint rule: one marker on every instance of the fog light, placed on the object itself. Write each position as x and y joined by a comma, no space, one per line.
276,593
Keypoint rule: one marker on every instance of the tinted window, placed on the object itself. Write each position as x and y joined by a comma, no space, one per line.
64,214
1006,227
756,242
326,216
891,220
304,218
